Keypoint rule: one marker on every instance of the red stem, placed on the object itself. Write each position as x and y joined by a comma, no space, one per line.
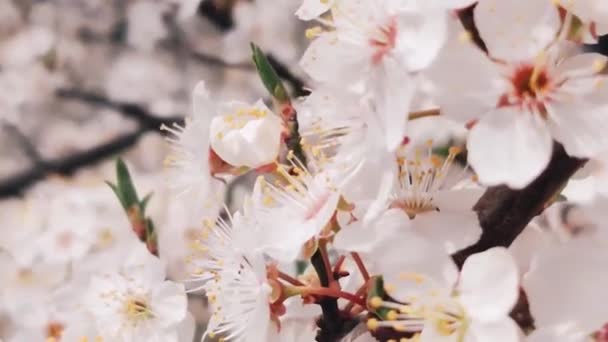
290,279
339,263
327,292
359,293
360,265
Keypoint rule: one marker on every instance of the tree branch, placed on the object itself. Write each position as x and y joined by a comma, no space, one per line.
333,325
504,213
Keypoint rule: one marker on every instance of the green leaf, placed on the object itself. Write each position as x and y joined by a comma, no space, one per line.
117,192
376,289
125,185
268,75
144,203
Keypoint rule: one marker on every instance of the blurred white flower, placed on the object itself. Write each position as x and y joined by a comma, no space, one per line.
189,162
593,13
136,77
576,314
137,303
146,26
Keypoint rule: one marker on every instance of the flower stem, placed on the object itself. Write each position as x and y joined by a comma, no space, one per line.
327,292
339,263
290,279
360,265
424,113
360,292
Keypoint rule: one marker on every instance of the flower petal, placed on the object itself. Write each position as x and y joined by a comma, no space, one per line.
509,146
459,95
578,294
488,284
516,30
330,59
505,330
581,127
455,226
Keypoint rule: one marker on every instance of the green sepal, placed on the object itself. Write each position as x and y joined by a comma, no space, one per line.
144,203
269,76
128,195
376,289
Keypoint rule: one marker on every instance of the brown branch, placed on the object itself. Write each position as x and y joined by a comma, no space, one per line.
333,323
467,19
504,213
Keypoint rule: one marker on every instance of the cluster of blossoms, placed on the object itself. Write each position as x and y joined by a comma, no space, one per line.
358,209
350,190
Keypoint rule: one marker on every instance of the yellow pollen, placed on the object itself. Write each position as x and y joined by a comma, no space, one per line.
137,309
372,324
313,32
418,278
445,328
392,315
455,150
375,302
465,37
599,64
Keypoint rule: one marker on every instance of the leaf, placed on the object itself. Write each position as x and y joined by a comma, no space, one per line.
144,203
269,76
117,192
125,185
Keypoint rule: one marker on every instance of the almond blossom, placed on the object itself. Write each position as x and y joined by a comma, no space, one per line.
376,44
520,105
137,303
441,306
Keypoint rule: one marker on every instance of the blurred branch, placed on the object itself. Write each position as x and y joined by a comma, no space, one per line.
295,82
142,116
218,12
28,148
217,61
15,185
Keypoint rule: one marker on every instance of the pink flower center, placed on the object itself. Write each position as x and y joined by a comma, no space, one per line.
531,88
385,40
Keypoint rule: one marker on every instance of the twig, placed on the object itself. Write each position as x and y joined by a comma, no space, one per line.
28,148
360,265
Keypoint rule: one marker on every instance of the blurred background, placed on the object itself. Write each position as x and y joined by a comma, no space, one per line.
83,80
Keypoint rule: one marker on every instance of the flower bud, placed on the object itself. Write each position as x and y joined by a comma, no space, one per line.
247,135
